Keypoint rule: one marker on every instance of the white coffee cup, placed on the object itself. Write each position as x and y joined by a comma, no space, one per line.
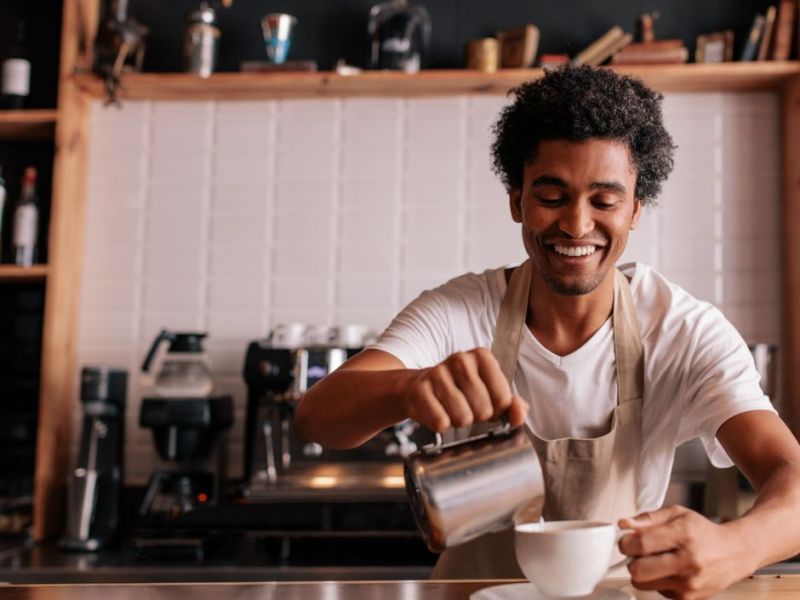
567,558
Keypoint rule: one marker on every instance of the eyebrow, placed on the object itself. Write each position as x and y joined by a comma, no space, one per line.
611,186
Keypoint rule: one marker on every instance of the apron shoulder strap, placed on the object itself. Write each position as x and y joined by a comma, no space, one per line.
627,342
511,319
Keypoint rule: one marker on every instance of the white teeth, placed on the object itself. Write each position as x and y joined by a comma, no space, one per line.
574,251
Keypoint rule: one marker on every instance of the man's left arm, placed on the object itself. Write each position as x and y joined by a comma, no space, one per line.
684,555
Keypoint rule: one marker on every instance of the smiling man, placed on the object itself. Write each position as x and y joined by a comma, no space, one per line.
608,367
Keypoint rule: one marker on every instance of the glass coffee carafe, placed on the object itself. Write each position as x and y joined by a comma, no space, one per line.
178,365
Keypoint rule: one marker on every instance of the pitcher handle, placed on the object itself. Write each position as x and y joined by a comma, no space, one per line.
438,441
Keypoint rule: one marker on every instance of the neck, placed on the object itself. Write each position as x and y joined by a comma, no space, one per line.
562,324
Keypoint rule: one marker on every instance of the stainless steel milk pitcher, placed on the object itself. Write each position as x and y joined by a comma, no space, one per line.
464,489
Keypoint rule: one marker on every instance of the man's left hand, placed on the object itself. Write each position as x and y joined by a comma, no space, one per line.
681,554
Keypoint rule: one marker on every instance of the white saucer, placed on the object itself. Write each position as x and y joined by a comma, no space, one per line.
528,591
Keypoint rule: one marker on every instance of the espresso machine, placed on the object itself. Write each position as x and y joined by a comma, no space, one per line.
93,501
278,461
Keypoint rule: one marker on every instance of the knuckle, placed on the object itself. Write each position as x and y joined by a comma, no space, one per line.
692,584
485,356
693,565
503,401
684,529
440,424
635,569
483,413
639,543
437,373
461,362
462,419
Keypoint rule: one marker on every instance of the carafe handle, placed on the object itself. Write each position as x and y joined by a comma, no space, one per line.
165,335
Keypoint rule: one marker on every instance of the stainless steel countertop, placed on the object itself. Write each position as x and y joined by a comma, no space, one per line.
360,482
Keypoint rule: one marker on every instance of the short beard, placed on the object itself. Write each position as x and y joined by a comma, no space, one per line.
578,288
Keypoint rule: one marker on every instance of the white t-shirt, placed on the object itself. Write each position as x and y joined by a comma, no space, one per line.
698,369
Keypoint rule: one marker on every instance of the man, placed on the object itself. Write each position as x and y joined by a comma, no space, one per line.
610,369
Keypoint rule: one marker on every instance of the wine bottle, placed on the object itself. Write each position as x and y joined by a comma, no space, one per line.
2,209
26,221
16,73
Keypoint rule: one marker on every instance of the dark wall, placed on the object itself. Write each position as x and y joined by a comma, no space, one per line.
332,29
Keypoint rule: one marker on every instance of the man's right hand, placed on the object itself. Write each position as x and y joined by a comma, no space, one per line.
465,388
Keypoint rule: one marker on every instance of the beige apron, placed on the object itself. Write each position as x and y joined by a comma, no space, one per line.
584,478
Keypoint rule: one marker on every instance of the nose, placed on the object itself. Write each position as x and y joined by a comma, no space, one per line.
577,219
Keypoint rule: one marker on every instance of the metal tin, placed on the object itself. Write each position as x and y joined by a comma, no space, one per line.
200,41
462,490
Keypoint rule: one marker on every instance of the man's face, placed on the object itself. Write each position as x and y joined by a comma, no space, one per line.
576,208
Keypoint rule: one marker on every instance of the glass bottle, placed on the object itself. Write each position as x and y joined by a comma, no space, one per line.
26,221
16,73
2,209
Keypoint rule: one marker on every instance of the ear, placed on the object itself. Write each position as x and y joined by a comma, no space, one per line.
515,204
637,213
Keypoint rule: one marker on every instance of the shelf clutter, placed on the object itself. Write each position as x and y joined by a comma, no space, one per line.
729,76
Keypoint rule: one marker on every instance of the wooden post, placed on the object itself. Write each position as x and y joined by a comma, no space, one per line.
57,401
791,253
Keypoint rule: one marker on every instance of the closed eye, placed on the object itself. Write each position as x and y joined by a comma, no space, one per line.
551,201
606,205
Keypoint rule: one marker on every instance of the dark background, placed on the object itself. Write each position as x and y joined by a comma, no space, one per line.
332,29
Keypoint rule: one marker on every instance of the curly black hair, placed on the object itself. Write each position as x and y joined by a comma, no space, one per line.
577,103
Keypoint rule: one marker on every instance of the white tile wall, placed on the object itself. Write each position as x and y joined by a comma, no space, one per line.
232,216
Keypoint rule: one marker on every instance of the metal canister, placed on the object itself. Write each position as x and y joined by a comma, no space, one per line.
200,41
462,490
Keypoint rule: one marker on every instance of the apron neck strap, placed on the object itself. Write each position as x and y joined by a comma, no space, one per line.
627,334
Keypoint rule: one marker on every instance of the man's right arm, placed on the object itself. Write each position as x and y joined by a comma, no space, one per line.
374,390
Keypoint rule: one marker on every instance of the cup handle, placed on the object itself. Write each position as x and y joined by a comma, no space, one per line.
625,561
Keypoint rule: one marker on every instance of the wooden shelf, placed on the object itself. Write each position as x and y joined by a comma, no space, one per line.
735,76
15,274
27,124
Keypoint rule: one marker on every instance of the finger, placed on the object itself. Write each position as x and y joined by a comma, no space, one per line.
655,539
659,566
428,411
464,369
656,517
451,398
517,412
495,380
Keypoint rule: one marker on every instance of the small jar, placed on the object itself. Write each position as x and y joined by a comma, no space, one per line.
483,55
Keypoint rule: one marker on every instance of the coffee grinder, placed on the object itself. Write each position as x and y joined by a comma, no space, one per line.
189,430
93,500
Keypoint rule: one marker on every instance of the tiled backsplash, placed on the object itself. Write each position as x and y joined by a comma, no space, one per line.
231,217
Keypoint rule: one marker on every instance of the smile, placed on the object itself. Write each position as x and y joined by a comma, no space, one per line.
574,250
